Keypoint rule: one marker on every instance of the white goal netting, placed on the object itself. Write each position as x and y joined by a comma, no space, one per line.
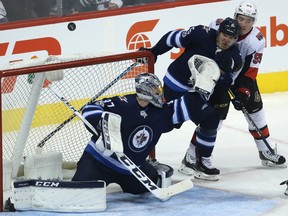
33,117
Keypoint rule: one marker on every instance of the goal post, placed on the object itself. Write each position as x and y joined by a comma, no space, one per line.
32,118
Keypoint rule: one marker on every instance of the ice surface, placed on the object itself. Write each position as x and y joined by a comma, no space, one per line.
245,187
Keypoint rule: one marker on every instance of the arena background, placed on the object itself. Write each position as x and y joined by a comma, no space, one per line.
126,29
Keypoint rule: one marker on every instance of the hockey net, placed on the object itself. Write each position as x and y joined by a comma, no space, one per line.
33,118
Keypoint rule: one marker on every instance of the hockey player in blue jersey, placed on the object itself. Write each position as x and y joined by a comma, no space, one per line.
218,45
251,44
144,119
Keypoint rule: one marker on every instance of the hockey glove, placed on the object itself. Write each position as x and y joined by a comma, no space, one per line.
225,81
241,98
224,61
150,50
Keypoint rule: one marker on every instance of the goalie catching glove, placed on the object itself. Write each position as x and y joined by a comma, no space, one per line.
204,75
110,140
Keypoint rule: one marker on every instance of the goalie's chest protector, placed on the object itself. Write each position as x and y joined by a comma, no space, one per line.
141,128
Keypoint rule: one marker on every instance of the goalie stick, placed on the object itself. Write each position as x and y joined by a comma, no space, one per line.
245,112
160,193
59,127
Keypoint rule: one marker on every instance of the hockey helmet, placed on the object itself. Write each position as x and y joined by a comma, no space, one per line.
149,87
246,9
230,27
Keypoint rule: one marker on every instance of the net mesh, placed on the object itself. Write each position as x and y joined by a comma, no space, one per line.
53,126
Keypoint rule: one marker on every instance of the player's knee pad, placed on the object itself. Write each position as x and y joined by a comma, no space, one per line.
165,173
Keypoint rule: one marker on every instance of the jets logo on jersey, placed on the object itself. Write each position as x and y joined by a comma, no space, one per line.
140,138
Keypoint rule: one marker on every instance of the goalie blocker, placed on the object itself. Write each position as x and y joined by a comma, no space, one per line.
57,196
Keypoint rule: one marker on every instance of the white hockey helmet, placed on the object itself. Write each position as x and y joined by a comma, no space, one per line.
149,87
246,9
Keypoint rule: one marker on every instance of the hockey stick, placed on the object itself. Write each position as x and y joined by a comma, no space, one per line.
245,112
160,193
59,127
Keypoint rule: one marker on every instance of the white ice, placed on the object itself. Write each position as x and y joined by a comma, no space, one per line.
245,188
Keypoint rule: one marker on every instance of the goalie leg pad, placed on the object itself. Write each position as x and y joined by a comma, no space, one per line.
59,196
110,140
111,132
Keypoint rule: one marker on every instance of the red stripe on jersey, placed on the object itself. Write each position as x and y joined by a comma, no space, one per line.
264,132
252,73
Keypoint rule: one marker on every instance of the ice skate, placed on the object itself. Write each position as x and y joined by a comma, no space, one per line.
205,170
188,165
286,190
272,159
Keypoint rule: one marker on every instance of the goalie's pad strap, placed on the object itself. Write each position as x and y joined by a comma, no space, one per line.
58,196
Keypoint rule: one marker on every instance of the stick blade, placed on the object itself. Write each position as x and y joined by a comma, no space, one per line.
174,189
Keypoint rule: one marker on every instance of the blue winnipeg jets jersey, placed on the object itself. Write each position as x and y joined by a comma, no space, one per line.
199,40
141,128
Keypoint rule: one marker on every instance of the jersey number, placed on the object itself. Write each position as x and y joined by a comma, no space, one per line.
108,103
257,58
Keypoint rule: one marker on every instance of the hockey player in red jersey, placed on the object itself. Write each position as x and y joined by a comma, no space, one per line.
251,44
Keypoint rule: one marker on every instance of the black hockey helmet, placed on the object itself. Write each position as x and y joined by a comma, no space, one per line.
230,27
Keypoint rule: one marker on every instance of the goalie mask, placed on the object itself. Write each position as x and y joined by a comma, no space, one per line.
148,87
204,75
